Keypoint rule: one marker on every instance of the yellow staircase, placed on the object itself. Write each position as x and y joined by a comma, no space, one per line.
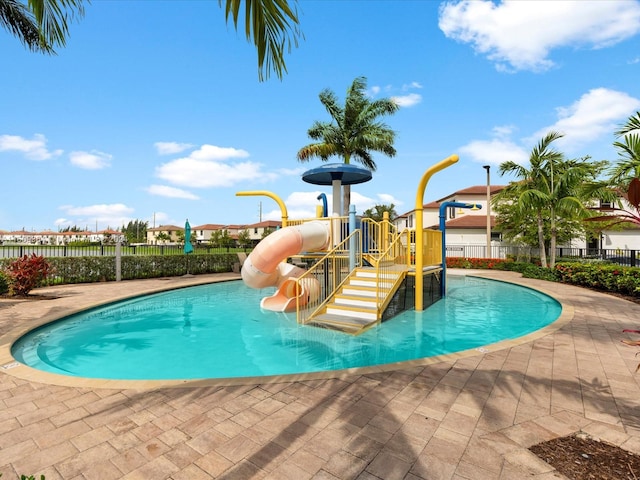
360,302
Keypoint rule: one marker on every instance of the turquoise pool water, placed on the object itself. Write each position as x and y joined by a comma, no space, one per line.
219,331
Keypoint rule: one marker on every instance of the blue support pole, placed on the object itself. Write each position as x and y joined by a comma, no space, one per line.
352,240
442,226
325,208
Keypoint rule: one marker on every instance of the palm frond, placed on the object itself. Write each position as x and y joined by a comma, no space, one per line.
272,25
53,17
632,124
20,22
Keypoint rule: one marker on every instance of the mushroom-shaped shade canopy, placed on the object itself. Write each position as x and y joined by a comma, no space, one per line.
347,174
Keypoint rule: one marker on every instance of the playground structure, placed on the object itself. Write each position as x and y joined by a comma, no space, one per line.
347,274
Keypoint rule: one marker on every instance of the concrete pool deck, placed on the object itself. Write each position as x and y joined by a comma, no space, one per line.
463,416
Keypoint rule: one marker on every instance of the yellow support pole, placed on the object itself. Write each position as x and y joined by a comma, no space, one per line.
447,162
264,193
385,229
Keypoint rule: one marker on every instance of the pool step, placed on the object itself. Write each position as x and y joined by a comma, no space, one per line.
354,308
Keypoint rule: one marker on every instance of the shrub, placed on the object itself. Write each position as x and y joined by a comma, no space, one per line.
479,263
611,278
535,271
4,283
26,273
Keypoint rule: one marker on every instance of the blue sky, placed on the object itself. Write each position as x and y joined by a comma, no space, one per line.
154,110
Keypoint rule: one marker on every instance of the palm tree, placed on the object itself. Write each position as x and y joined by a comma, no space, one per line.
377,212
628,166
40,25
552,189
272,25
532,189
353,132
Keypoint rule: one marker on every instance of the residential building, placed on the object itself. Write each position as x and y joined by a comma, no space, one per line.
203,232
163,235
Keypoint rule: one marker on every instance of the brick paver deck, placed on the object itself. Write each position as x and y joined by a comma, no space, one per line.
469,416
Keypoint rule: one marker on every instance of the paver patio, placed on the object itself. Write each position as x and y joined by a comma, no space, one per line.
465,416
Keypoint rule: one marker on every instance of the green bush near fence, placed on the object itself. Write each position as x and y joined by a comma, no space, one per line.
610,278
4,283
103,269
591,274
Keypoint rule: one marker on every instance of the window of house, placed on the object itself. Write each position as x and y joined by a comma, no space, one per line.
605,204
497,236
452,213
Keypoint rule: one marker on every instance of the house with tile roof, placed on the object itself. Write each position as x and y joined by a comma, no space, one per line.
463,226
163,235
468,227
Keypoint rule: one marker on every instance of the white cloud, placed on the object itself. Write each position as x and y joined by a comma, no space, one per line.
171,192
212,152
112,215
302,205
411,85
35,149
161,218
63,222
170,148
194,173
209,166
519,35
387,199
93,160
596,114
408,100
495,151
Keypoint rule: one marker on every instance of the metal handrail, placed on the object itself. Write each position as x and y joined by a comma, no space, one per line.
327,275
390,264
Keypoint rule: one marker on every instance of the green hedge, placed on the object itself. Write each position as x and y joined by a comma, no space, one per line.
480,263
611,278
103,269
597,275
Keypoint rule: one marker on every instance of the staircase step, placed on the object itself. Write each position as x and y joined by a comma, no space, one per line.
372,274
353,311
364,291
355,300
351,325
357,282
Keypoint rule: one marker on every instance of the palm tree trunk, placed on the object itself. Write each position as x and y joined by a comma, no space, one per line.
346,199
554,233
543,253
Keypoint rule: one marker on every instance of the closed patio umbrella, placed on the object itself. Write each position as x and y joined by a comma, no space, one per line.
188,248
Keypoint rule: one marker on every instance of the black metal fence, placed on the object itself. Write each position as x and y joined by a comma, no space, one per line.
628,258
16,251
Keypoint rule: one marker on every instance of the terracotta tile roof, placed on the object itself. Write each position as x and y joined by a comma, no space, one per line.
265,224
164,228
208,226
471,191
468,221
475,190
435,205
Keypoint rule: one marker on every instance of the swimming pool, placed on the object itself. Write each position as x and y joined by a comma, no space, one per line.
219,331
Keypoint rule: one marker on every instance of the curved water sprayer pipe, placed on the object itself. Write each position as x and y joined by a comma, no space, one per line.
447,162
442,226
264,193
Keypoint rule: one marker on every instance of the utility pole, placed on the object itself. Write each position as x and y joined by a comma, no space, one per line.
487,168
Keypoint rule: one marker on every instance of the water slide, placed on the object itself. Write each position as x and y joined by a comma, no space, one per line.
266,267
